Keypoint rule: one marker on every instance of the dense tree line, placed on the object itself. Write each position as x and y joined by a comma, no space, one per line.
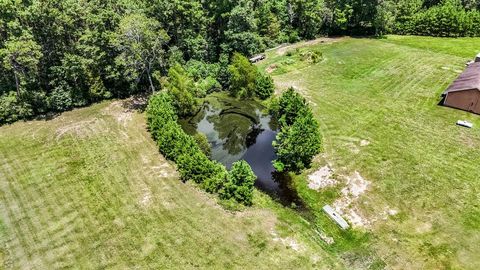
60,54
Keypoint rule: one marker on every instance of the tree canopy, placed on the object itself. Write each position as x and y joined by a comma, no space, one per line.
60,54
299,139
242,76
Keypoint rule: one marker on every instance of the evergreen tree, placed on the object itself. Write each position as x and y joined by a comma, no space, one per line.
240,181
264,86
297,145
183,90
242,76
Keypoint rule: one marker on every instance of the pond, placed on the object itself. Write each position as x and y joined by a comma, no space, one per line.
239,130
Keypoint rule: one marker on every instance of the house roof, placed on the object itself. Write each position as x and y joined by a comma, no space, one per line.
468,80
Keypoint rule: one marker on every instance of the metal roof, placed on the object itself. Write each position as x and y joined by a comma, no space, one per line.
468,80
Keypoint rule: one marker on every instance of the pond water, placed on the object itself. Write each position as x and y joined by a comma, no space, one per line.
241,130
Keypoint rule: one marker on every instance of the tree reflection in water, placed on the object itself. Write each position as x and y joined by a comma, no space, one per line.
240,129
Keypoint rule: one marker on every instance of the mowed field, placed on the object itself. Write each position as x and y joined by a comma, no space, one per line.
89,190
418,197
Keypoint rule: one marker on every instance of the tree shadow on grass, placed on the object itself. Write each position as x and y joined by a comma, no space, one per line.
286,194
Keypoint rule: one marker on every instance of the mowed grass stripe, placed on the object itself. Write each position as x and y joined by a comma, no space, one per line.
24,216
418,161
90,190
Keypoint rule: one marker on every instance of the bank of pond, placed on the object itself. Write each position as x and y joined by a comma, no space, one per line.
242,130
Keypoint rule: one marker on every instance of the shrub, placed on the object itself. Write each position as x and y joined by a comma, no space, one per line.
239,183
60,99
159,112
264,86
202,142
287,107
296,145
293,36
288,61
11,109
312,56
192,162
215,183
196,166
174,142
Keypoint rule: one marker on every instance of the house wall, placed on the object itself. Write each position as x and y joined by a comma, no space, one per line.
464,99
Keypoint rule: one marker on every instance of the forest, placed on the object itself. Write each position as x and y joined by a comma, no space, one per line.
56,55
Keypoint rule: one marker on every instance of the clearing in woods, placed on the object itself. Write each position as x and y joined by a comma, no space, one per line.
88,189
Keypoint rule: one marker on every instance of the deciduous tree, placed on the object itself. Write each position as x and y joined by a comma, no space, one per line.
183,90
21,56
140,41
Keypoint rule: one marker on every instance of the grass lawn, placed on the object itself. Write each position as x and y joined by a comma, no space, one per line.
89,190
376,100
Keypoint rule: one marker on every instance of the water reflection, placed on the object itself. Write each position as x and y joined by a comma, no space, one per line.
241,130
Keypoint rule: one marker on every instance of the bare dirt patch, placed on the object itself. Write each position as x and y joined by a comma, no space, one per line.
285,49
364,143
119,112
271,68
423,227
81,129
146,197
353,147
321,178
356,185
297,84
327,239
345,205
124,118
288,242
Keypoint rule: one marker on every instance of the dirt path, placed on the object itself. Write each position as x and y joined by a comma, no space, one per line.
284,49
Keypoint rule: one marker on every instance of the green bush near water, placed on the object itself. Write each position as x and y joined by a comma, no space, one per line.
299,139
239,185
264,86
246,81
192,162
202,142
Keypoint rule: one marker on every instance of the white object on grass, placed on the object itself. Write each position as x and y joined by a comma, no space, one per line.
464,124
336,217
